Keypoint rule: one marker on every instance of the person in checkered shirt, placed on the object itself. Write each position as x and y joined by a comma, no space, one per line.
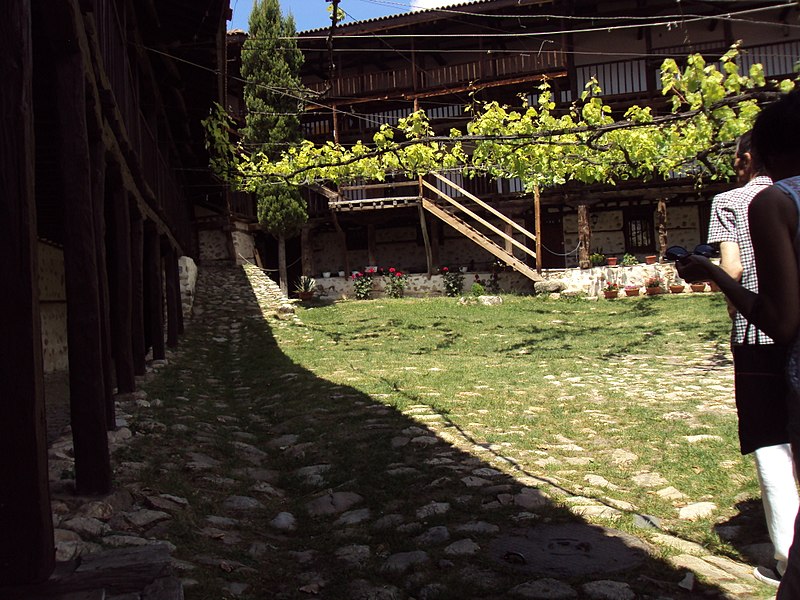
729,227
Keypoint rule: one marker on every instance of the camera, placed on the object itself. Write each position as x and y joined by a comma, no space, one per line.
680,254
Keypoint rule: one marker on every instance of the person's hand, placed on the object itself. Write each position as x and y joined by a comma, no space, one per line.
694,267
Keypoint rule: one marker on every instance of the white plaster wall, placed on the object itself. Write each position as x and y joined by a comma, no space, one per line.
53,308
187,270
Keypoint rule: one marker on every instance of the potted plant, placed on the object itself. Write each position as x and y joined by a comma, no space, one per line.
596,259
305,287
395,282
631,290
611,261
699,286
653,285
676,288
611,289
629,260
650,260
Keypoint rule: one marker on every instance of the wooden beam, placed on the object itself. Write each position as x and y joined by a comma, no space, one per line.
137,289
172,281
87,392
153,297
121,286
27,551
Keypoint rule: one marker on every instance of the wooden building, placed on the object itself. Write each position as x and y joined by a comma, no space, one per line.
103,166
374,72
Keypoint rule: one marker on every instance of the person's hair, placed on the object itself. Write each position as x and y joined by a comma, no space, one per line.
744,145
776,133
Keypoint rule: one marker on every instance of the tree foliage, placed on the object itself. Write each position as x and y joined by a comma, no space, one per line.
709,106
271,65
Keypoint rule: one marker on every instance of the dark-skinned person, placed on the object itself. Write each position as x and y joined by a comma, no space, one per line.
760,401
774,217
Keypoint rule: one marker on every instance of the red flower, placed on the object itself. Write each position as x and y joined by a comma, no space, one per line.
398,274
445,269
392,269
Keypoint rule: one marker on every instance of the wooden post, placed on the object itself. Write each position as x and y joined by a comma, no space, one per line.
153,296
424,226
98,166
27,553
537,215
306,251
137,291
584,236
343,242
372,250
87,392
172,284
121,286
661,226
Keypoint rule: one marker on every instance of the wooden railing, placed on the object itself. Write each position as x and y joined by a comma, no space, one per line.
494,68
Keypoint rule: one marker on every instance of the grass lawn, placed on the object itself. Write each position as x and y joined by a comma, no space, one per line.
613,400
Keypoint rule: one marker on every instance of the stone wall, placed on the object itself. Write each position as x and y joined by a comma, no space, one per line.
53,307
243,244
188,277
213,245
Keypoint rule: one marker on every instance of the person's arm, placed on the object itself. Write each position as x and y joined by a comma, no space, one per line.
776,308
731,262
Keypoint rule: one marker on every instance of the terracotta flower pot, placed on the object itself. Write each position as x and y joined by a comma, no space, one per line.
652,291
650,260
631,291
698,287
611,261
305,295
676,289
610,293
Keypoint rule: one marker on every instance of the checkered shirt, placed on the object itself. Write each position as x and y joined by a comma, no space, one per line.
729,223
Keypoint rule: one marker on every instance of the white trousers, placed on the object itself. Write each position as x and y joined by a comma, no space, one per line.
776,476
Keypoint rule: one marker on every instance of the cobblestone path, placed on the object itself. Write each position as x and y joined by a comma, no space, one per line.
227,457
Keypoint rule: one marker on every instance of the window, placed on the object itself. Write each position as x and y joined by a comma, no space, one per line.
638,228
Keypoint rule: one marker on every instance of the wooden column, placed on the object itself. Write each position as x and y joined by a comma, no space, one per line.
306,251
153,297
424,226
120,286
27,553
137,291
87,391
661,227
372,248
537,215
584,236
98,166
172,282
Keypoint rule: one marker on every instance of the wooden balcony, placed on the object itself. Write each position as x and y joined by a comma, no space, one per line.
408,80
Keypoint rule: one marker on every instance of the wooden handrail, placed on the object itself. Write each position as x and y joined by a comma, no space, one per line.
483,204
481,220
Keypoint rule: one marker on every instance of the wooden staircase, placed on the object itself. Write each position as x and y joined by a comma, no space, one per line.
449,210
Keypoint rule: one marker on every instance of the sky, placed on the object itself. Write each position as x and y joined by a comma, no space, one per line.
311,14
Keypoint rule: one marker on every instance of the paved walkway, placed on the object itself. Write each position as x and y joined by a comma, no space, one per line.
260,495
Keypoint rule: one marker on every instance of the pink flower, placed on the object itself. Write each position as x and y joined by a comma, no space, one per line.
398,274
445,269
392,269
